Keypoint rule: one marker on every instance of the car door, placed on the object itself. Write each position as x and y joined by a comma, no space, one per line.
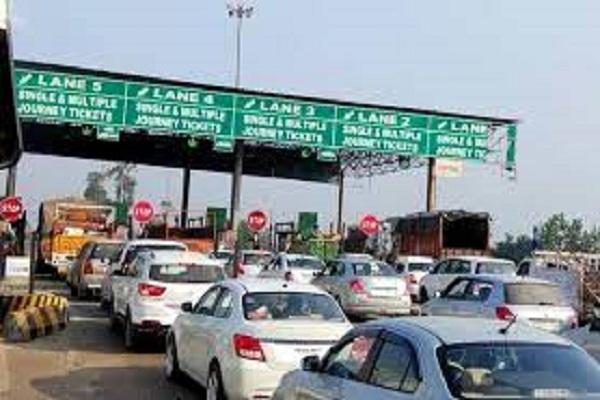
75,271
432,282
199,334
126,286
476,295
343,367
450,300
324,278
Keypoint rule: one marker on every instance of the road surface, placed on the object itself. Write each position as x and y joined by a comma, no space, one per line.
86,360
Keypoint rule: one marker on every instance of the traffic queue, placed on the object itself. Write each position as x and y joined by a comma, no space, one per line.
293,326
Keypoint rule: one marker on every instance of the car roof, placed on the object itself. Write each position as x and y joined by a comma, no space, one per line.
174,256
256,252
480,259
508,278
453,330
299,255
251,285
154,242
415,259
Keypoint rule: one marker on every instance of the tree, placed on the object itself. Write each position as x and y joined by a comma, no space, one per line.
95,191
560,234
514,248
124,181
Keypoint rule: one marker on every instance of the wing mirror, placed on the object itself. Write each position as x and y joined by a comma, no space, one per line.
117,272
311,363
186,307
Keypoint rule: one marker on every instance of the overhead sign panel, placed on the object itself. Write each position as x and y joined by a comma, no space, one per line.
113,103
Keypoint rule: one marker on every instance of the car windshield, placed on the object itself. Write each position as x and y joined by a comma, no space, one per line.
419,267
109,251
533,294
372,269
257,258
516,370
186,273
158,247
291,306
222,255
311,263
496,267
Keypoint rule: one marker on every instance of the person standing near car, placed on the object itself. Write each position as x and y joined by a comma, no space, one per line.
7,240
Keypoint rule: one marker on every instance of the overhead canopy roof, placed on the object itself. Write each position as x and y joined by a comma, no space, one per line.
85,113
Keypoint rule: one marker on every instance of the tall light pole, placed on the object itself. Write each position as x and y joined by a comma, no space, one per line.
238,9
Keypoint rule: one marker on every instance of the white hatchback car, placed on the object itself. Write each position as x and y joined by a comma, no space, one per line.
414,269
148,298
293,267
441,358
244,335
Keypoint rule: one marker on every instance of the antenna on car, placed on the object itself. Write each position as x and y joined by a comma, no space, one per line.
504,330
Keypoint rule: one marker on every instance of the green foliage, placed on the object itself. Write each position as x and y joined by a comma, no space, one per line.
514,248
95,191
560,234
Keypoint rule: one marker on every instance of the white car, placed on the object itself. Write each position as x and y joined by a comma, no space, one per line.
245,334
251,263
127,254
534,301
293,267
148,297
414,268
445,271
442,358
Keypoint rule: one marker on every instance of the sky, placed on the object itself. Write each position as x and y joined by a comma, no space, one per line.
535,60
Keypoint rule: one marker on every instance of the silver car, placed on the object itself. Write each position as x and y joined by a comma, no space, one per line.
535,301
445,271
365,288
293,267
435,358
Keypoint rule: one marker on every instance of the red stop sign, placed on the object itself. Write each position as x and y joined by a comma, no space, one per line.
142,211
11,208
257,220
369,225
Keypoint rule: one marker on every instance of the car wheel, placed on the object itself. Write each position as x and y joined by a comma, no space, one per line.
423,296
112,316
130,334
214,386
73,290
172,371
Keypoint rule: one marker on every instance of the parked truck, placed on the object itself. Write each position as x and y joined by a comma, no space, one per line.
64,226
441,234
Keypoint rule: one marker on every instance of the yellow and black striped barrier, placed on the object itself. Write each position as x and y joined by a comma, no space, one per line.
23,318
10,304
33,322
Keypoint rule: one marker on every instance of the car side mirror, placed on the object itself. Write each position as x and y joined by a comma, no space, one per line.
117,272
186,307
311,364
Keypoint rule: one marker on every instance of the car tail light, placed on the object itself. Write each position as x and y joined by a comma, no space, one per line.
504,313
357,286
146,289
412,279
88,268
248,347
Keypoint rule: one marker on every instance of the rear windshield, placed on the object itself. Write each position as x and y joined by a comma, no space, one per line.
291,306
257,259
306,263
109,251
222,255
505,370
533,294
424,267
186,273
373,269
494,267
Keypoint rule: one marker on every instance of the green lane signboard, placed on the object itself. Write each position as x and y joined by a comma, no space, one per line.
112,103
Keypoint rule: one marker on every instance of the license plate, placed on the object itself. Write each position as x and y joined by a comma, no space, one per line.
383,293
305,351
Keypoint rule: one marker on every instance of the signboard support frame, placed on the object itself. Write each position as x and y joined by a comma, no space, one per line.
340,205
431,185
185,196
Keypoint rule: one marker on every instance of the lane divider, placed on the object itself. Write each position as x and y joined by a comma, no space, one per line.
23,318
33,322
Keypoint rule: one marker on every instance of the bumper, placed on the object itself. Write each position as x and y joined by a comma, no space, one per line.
372,307
153,318
93,283
251,380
